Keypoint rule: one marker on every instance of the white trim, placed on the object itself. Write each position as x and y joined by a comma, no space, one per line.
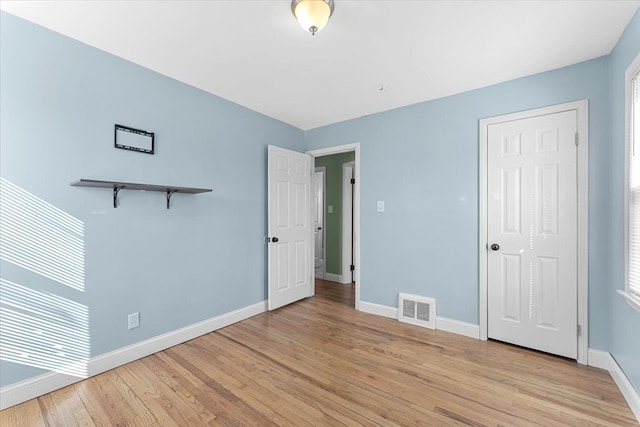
347,208
632,299
631,71
37,386
336,278
626,388
582,110
22,391
379,309
356,207
323,273
604,360
599,359
457,327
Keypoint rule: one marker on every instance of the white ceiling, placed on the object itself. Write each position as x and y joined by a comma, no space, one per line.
372,56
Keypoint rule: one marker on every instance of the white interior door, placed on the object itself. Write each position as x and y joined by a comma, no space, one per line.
532,232
319,244
289,222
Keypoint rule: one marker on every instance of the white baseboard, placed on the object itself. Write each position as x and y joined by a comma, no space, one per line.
604,360
378,309
335,278
599,359
33,387
442,323
457,327
25,390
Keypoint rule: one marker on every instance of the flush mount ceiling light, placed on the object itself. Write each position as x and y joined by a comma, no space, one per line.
312,15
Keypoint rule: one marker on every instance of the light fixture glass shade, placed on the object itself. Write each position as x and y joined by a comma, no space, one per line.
312,15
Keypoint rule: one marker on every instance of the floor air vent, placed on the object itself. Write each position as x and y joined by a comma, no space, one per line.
420,311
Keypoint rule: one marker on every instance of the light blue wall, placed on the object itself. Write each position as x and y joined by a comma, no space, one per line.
429,232
205,256
624,341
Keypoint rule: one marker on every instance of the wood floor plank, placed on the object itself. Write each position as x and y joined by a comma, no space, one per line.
7,417
29,414
157,397
222,401
246,386
64,408
109,400
319,362
186,386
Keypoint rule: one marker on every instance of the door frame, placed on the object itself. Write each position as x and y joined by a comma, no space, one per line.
347,211
582,109
355,147
322,169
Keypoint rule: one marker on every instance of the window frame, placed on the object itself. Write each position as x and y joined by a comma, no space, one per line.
633,71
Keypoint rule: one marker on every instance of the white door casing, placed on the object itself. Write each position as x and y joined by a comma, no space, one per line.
347,221
553,249
319,184
355,147
289,227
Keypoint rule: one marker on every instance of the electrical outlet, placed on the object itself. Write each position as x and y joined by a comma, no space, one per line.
134,320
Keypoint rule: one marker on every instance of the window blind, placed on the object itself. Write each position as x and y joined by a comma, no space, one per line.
634,188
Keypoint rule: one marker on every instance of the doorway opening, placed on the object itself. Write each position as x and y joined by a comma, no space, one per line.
336,203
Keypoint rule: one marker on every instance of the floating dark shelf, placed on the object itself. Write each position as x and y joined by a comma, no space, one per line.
119,185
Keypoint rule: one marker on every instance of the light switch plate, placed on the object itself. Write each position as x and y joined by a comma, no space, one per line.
330,208
380,206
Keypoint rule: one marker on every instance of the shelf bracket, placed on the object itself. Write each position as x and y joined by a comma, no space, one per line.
115,195
169,194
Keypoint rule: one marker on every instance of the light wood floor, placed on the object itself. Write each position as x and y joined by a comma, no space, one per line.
320,362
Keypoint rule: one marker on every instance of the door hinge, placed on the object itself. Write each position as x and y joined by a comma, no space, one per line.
353,180
578,330
353,267
577,139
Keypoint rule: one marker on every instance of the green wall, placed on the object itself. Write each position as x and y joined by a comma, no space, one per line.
333,196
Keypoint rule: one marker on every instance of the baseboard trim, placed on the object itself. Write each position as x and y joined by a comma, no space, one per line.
457,327
599,359
442,323
379,309
335,278
604,360
37,386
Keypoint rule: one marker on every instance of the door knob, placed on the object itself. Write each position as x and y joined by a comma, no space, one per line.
319,228
495,247
274,239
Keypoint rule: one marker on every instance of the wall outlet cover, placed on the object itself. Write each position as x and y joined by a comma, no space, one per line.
134,320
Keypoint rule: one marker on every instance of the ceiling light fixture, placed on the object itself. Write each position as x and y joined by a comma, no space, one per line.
312,15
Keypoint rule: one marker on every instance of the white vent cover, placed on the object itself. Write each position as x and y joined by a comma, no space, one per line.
420,311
